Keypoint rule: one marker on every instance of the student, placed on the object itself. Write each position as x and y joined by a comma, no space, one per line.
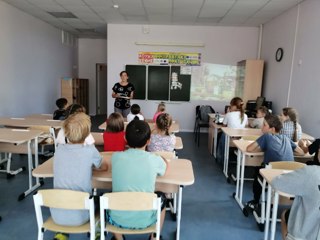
258,121
73,109
72,168
161,139
114,136
136,170
291,127
235,118
135,113
60,113
161,109
302,221
276,147
312,148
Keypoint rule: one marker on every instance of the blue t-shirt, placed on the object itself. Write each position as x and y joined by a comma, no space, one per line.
135,171
72,169
276,147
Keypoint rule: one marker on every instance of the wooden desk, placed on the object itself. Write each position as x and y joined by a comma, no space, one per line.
269,175
244,158
29,122
235,132
213,134
180,172
12,140
175,127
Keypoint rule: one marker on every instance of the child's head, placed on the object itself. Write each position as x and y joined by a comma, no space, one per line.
289,113
236,104
115,123
137,134
61,103
135,109
77,127
271,121
262,112
164,121
161,107
75,108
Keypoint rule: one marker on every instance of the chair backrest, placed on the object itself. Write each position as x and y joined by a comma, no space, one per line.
204,111
129,201
286,165
63,199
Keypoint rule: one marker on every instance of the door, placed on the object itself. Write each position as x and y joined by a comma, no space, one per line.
101,88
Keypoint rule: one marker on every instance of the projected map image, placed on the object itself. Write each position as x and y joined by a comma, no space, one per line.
214,82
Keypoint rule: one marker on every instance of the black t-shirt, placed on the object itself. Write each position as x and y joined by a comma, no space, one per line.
59,114
124,91
314,149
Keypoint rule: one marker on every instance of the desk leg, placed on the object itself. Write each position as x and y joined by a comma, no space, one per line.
226,156
215,140
266,226
179,212
274,215
30,167
243,160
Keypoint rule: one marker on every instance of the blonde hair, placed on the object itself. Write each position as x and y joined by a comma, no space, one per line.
238,103
161,107
164,121
77,127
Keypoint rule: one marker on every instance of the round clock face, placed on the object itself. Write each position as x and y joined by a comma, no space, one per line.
279,54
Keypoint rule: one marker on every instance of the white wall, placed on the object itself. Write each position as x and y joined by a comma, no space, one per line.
32,62
305,83
90,52
223,45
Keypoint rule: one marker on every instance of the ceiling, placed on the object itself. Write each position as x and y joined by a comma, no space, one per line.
89,18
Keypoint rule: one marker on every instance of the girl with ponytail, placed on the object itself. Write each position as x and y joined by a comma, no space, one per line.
161,139
291,127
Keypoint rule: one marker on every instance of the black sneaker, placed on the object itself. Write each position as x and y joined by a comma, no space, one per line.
252,205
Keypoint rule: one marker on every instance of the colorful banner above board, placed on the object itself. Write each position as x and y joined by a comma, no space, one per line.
170,58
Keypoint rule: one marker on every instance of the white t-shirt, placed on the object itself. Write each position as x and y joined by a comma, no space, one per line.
233,120
131,116
61,138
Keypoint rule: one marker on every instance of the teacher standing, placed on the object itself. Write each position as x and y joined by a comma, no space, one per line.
123,92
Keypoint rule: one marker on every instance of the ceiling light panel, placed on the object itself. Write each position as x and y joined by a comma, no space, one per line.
216,8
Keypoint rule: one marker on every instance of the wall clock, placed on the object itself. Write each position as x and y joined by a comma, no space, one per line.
279,54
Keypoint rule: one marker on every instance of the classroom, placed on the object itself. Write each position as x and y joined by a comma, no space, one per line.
34,59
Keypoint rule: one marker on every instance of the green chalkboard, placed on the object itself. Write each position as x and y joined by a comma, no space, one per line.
137,76
165,83
158,82
180,85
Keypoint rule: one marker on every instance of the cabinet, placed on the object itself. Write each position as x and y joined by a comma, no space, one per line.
249,79
76,90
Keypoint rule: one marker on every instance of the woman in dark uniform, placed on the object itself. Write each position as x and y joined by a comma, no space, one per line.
123,92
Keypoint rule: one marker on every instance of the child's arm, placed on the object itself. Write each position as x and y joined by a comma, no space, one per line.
104,165
254,147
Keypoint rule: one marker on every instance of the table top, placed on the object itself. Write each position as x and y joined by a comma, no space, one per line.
18,136
29,122
239,132
242,146
175,127
180,171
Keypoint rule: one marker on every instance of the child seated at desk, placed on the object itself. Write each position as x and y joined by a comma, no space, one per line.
312,148
276,147
60,113
161,139
136,170
258,121
302,221
291,127
73,109
161,109
114,136
135,113
72,168
235,118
